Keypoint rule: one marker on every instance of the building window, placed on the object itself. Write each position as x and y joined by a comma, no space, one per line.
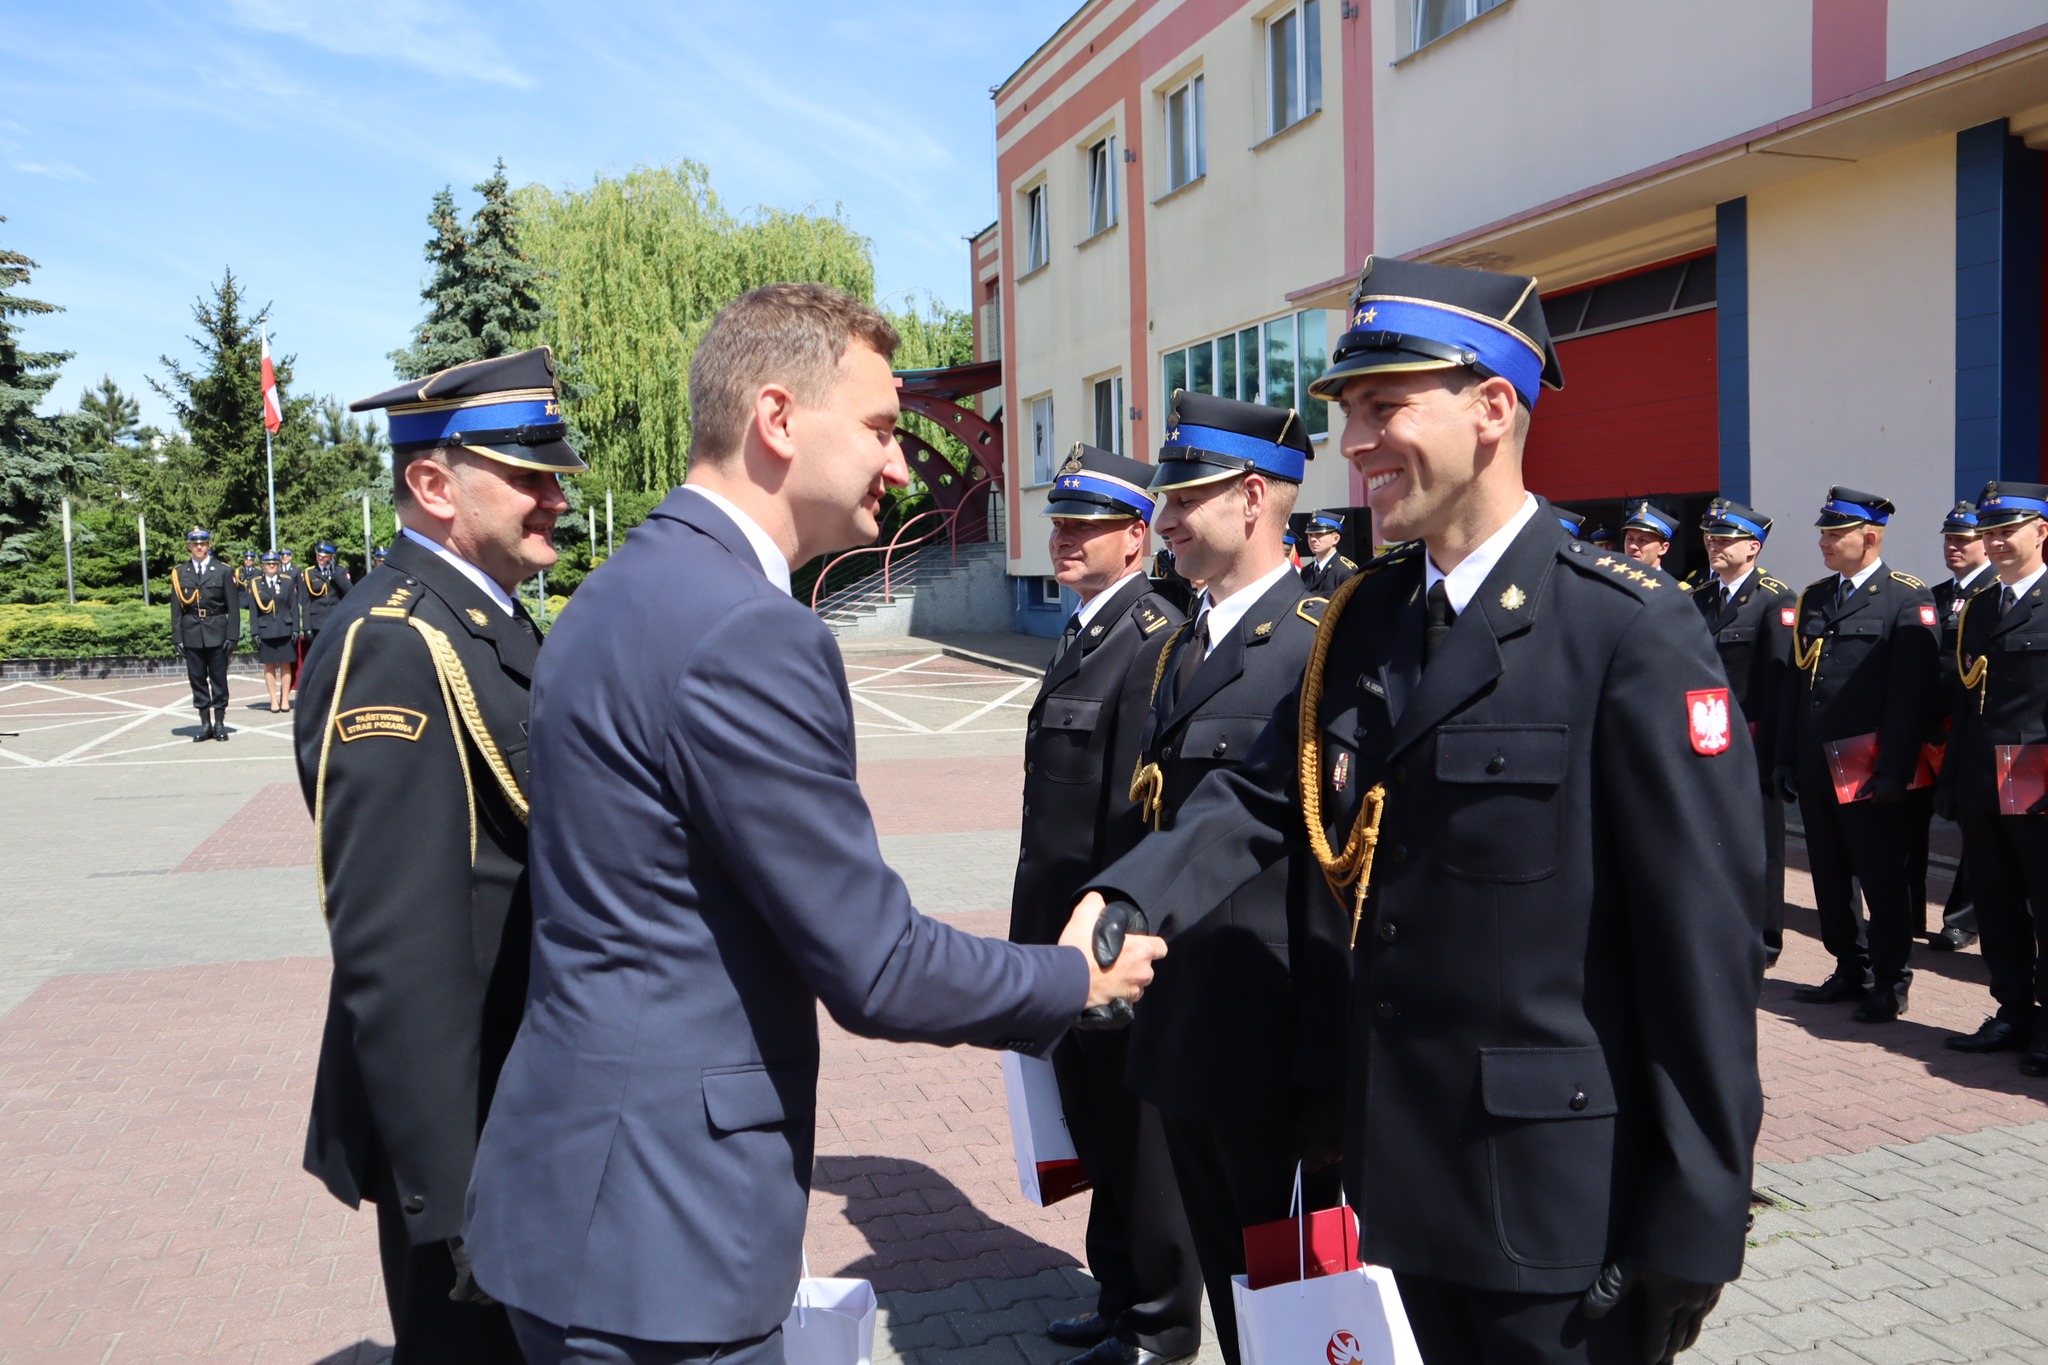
1435,18
1102,186
1271,363
1037,237
1294,65
1667,291
1048,592
1042,461
1187,135
1109,413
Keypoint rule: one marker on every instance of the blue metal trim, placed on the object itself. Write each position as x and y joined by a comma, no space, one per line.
1999,227
1731,343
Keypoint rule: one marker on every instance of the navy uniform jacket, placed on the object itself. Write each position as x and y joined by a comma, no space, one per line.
1866,666
2008,701
1324,581
1552,1055
1949,601
204,610
1753,636
1080,748
1216,1037
705,872
320,590
417,795
273,615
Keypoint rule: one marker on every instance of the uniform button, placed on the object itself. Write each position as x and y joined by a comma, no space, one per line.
1398,852
1400,772
1027,808
1070,718
1166,755
1385,1009
416,1204
1028,767
1389,931
1578,1101
1222,745
1496,765
1023,853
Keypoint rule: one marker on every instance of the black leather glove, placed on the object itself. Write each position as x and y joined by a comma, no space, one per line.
1673,1309
1945,802
1887,790
1117,919
1785,782
466,1289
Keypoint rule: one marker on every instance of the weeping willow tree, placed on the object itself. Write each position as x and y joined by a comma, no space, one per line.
637,266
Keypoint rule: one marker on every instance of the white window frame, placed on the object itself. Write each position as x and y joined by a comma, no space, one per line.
1044,444
1037,230
1458,13
1049,592
1303,65
1110,387
1187,136
1102,185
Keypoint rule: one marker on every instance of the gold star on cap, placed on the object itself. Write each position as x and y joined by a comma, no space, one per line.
1513,598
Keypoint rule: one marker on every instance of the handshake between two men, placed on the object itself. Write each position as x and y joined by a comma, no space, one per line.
1120,953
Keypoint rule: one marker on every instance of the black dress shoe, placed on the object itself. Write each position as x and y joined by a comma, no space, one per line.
1841,986
1110,1351
1085,1330
1993,1035
1950,939
2034,1064
1885,1004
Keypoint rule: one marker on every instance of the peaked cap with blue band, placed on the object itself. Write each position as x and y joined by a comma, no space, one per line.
198,533
1406,315
1644,516
507,408
1210,438
1733,521
1962,521
1574,523
1852,507
1096,485
1326,524
2003,503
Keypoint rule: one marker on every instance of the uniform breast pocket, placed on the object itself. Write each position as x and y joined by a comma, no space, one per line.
1550,1151
1221,740
2026,642
1862,628
1065,739
1501,785
1737,635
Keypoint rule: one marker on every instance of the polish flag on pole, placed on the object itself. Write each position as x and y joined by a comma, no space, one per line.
273,412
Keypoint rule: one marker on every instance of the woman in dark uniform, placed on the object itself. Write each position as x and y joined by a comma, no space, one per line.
273,612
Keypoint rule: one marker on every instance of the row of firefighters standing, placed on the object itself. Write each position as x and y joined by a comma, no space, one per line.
1871,700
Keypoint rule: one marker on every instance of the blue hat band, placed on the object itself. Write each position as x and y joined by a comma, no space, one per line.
1837,507
1267,458
1120,493
2007,502
198,535
1653,523
1739,523
1500,351
438,428
1320,528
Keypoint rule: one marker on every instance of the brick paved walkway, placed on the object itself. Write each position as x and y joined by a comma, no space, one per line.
161,988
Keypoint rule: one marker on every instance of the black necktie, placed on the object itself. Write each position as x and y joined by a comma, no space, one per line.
1067,637
1192,653
1844,591
1440,616
2007,599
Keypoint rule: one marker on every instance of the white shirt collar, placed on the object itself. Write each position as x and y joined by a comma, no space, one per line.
765,549
1461,583
1973,575
2025,585
1869,572
1224,615
1324,560
1087,610
1730,589
465,568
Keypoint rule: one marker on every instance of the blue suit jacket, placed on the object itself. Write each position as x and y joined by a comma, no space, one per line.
704,870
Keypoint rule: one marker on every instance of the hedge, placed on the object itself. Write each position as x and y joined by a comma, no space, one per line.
88,630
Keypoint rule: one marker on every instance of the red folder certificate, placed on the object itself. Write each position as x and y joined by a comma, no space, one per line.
1323,1243
2023,779
1852,763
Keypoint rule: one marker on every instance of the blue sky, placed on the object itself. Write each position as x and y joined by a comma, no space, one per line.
145,146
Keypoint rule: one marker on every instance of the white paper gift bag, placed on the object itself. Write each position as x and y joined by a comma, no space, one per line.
1350,1319
832,1323
1047,1168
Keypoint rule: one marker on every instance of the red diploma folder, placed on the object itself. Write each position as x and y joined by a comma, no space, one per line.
1852,763
2023,779
1324,1243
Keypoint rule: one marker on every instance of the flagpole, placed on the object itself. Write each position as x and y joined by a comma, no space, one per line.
270,476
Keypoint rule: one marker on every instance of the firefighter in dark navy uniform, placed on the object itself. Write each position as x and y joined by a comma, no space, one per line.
1502,738
206,623
1970,572
1646,535
1325,570
1215,1043
322,585
1080,748
1863,673
411,740
1994,774
1749,614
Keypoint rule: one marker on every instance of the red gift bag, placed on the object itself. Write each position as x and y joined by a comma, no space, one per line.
1301,1247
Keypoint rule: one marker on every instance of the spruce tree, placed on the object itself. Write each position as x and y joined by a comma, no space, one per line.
483,297
37,462
108,418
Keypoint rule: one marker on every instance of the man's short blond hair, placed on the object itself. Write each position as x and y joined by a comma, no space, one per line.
789,334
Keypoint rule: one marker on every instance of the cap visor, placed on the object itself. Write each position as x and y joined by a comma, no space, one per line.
1075,510
555,456
1330,384
1189,474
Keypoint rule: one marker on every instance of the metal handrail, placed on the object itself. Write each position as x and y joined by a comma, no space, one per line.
949,525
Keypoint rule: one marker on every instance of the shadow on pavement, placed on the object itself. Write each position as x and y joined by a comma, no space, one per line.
922,1230
364,1352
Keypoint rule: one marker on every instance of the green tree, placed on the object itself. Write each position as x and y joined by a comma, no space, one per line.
320,495
634,268
483,299
37,462
108,418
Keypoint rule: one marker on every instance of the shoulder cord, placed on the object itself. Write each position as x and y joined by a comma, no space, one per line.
1353,864
455,682
256,596
1148,783
306,577
1806,654
185,599
1976,675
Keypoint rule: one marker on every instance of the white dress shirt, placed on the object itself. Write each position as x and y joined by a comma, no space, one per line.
765,549
1087,610
1462,582
466,569
1224,615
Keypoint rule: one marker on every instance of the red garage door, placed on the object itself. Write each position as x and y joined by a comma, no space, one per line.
1639,413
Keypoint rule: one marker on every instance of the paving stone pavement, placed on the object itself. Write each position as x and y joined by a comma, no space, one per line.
162,979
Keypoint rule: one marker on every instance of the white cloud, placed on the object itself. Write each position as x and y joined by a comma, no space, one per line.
55,170
435,35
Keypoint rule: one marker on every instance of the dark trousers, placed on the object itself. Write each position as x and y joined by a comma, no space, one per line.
547,1344
1455,1325
1139,1248
207,668
1958,913
430,1329
1232,1176
1774,874
2008,856
1865,843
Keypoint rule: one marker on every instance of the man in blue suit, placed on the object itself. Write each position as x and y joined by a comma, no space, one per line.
705,870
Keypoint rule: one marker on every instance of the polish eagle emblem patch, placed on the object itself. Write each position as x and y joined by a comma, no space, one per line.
1926,614
1786,615
1706,714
